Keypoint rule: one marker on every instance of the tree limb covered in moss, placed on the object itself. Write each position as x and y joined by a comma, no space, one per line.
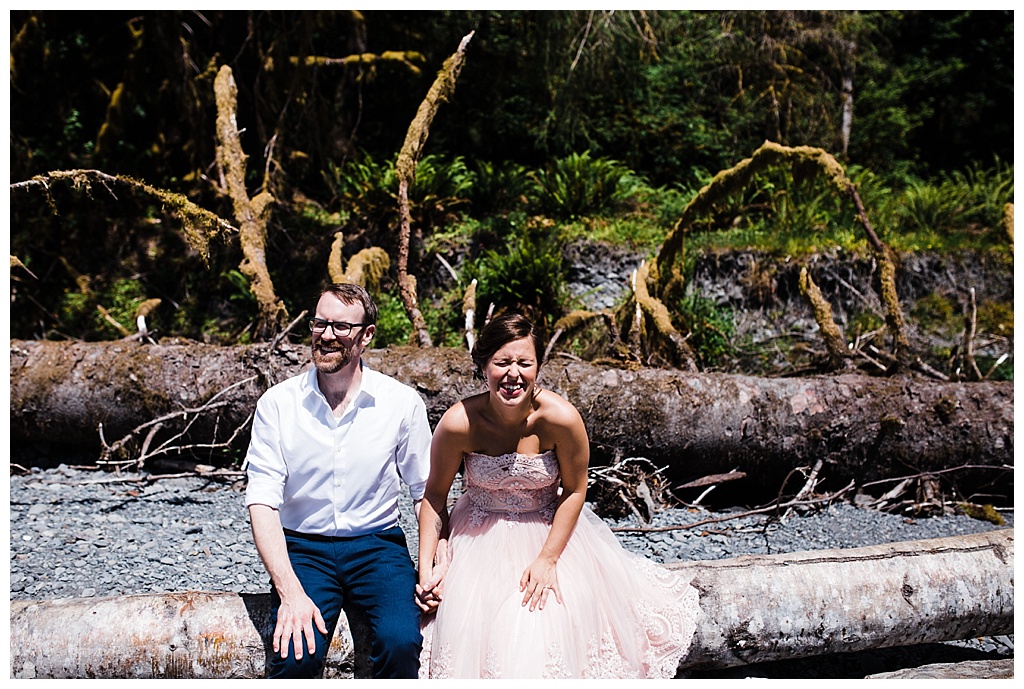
405,169
806,162
251,214
404,58
200,225
657,314
823,315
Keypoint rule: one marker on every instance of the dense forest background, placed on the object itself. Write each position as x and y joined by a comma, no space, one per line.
565,126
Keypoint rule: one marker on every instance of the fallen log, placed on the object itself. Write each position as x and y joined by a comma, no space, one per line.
696,424
755,608
1001,668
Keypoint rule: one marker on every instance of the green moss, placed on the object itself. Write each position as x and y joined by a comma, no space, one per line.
986,512
996,318
936,313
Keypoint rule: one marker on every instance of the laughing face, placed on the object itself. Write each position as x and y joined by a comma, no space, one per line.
331,352
511,373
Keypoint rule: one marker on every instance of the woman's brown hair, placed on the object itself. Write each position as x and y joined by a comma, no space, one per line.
506,328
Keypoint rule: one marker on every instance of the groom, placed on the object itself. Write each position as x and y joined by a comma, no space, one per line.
328,449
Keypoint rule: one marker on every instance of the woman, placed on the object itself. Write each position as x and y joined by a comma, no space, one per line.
534,583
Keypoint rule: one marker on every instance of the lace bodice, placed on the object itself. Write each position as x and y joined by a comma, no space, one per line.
512,483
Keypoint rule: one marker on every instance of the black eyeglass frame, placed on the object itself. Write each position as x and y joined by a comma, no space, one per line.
334,325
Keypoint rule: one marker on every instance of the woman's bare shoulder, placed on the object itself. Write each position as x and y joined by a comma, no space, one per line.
458,418
556,409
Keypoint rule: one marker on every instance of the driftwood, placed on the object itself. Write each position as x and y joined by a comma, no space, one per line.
695,424
1001,668
755,609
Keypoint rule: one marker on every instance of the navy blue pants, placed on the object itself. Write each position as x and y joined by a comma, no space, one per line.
369,575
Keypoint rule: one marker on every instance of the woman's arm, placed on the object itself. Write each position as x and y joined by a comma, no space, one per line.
573,450
446,450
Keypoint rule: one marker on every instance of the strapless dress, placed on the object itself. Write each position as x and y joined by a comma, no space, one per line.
622,615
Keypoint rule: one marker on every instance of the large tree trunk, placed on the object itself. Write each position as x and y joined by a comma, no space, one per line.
695,423
755,609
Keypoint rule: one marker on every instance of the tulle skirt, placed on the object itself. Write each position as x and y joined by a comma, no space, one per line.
621,616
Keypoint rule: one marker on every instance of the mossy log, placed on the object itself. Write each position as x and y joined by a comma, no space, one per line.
754,608
405,170
696,424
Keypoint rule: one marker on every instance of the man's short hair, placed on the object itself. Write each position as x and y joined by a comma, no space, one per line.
354,294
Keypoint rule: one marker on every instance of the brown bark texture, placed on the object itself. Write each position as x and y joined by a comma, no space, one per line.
695,424
754,609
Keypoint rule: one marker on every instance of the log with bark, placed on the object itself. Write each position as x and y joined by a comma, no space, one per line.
754,608
696,424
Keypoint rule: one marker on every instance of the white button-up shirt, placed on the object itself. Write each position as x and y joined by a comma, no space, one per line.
337,476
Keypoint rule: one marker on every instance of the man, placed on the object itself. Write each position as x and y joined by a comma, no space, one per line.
328,449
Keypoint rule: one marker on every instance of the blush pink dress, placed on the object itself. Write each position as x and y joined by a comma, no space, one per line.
622,616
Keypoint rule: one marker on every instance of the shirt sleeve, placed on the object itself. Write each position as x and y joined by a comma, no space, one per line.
413,452
265,464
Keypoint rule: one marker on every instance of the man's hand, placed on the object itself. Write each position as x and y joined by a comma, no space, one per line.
429,592
295,618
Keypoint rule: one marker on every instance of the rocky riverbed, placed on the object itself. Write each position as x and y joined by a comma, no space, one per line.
81,533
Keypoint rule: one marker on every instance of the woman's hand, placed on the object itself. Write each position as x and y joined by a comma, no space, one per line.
430,589
539,580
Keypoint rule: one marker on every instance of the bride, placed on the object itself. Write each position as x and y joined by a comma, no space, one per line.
522,579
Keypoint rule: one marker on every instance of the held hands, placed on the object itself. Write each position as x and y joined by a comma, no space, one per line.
295,617
538,580
429,591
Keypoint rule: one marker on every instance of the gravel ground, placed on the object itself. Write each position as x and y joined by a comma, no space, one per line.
77,533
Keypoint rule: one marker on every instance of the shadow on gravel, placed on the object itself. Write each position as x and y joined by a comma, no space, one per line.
854,665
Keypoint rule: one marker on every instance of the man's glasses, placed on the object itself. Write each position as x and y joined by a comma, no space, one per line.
340,328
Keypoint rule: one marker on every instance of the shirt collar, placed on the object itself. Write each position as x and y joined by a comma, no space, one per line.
370,384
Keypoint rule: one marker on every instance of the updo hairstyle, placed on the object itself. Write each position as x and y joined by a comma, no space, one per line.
498,332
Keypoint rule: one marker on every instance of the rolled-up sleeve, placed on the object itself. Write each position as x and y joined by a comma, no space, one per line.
265,465
413,451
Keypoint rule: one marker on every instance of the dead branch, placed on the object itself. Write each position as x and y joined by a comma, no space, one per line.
962,467
809,486
201,471
714,479
405,58
288,328
200,225
336,260
405,169
252,214
659,316
739,515
970,329
190,416
469,312
830,332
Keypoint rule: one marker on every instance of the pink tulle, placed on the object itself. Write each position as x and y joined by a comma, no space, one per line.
622,616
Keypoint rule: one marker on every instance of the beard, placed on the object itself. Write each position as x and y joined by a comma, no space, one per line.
331,359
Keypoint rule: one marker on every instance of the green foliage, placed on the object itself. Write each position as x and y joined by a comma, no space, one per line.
498,187
367,188
709,329
525,273
996,318
578,185
121,299
962,209
240,289
393,325
444,319
635,231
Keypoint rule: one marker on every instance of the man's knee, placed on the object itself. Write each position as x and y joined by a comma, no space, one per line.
397,651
